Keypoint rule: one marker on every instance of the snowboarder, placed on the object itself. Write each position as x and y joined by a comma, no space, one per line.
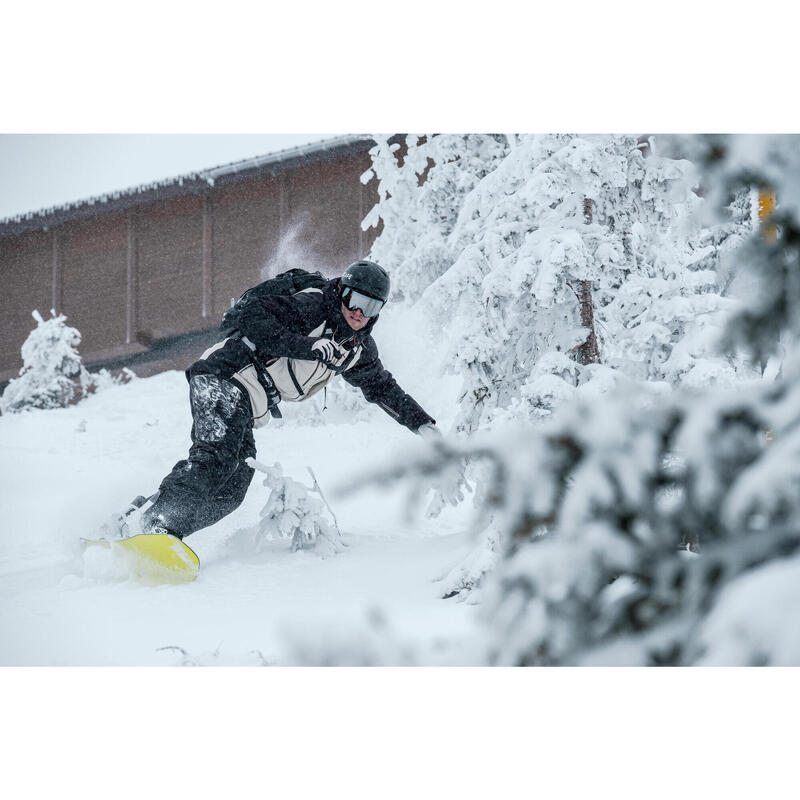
277,347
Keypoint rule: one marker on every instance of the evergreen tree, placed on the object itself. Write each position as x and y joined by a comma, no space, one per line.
420,197
292,514
544,255
52,375
631,521
558,267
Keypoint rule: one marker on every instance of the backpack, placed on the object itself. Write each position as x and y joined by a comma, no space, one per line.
284,283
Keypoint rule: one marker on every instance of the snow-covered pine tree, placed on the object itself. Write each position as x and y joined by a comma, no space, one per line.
597,501
52,375
597,504
522,237
661,315
559,213
506,236
769,320
419,199
291,514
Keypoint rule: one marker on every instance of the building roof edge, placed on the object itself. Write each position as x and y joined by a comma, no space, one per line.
189,183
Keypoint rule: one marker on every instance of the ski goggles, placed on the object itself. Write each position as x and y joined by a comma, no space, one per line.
369,306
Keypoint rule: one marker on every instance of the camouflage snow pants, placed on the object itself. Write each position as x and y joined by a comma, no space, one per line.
213,480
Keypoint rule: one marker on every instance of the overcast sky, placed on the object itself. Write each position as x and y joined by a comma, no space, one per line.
44,170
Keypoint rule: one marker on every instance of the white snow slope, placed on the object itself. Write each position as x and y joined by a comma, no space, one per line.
64,472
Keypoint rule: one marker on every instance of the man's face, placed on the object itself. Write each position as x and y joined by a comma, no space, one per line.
355,319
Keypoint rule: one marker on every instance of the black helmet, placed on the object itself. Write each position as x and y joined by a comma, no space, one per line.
368,278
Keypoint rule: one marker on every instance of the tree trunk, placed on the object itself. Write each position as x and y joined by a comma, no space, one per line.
588,352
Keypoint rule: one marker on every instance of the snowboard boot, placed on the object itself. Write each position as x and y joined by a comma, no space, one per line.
152,520
154,523
122,525
158,527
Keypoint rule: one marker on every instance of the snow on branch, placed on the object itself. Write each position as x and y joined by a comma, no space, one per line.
601,512
525,247
292,514
631,524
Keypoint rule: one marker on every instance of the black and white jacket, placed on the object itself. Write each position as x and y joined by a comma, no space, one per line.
275,334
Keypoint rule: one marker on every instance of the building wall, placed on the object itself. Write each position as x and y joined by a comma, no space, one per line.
168,268
246,231
141,284
90,279
26,283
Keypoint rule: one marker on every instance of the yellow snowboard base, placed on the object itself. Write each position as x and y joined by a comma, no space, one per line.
154,558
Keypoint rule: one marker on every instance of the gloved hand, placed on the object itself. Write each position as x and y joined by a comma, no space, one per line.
328,352
429,431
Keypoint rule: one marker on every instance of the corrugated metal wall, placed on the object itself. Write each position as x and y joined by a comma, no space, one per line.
131,281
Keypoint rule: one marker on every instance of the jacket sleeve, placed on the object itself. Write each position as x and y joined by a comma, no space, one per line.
278,325
379,387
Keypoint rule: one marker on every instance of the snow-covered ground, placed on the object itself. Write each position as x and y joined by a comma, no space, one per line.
64,472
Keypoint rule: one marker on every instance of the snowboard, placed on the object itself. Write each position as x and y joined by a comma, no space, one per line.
153,558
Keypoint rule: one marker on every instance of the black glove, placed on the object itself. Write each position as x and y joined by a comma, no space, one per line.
331,354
